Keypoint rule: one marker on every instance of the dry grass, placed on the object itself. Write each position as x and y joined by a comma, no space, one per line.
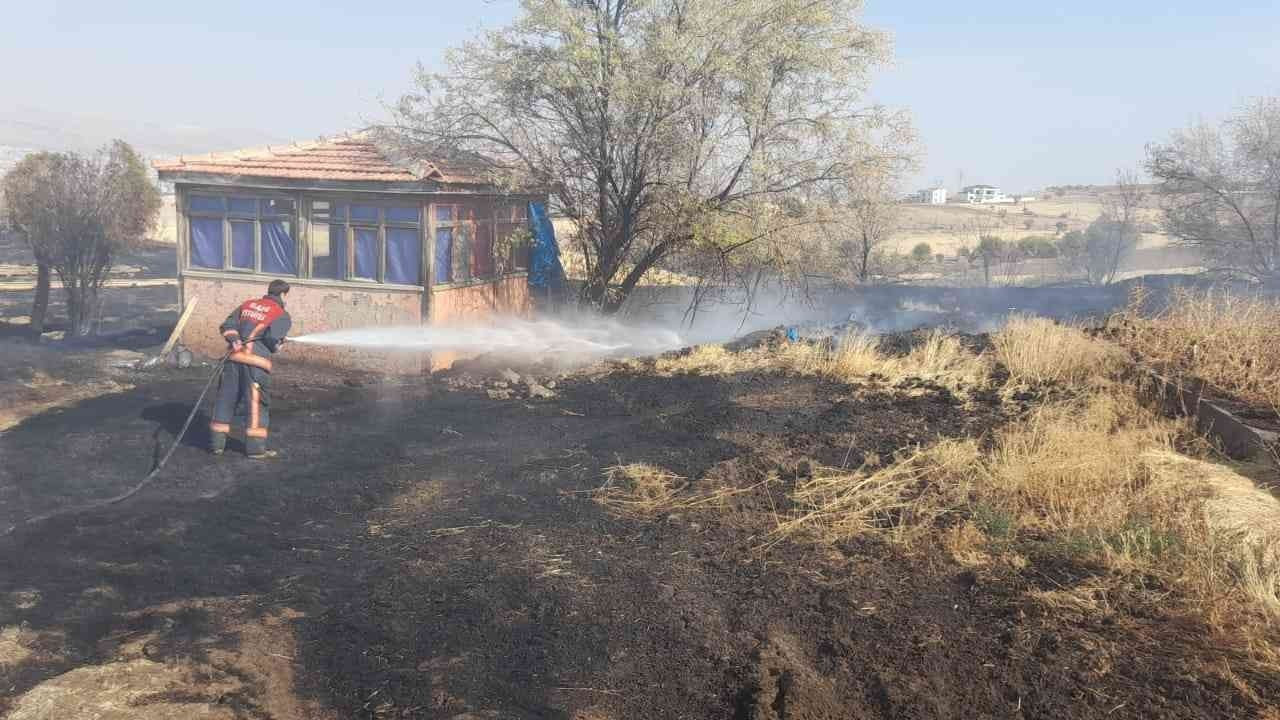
640,490
706,360
644,491
857,356
1075,466
1227,340
1038,351
902,498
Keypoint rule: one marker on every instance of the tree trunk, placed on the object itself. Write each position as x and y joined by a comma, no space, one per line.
40,308
82,302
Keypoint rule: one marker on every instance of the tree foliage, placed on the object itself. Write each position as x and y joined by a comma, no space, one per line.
76,213
1220,188
662,126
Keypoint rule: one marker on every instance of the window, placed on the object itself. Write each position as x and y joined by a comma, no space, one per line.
367,242
246,234
472,240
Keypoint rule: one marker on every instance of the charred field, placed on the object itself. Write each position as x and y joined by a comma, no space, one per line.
761,534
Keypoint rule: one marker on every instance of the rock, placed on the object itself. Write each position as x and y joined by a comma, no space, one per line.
185,358
501,384
510,375
54,335
498,394
551,384
539,391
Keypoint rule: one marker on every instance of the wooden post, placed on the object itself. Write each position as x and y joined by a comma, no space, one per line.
177,333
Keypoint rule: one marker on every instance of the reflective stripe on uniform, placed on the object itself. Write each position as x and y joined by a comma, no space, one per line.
245,357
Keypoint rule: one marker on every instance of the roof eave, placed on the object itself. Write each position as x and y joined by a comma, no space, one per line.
194,177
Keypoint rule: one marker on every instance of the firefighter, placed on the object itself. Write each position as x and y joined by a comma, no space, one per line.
254,332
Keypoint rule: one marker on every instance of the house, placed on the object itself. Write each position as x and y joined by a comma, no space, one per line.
932,196
984,194
364,239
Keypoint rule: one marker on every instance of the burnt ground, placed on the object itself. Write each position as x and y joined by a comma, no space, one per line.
423,551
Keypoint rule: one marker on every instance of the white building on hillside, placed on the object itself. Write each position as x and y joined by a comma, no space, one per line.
985,194
932,196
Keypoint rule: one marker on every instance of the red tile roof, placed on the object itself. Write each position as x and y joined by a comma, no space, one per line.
344,159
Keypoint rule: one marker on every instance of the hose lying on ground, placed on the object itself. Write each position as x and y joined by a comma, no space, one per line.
217,370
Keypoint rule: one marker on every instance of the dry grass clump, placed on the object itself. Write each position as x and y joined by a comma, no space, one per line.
901,498
1037,350
1074,466
1225,339
857,357
641,490
713,360
1236,526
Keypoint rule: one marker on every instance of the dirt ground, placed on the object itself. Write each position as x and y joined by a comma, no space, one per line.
422,550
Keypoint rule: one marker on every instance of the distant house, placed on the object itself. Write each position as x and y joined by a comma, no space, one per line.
979,194
932,196
364,240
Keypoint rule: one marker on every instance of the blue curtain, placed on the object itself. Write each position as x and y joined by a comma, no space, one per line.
278,248
242,245
366,253
444,255
206,242
404,256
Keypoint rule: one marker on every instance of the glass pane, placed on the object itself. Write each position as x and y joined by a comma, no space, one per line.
402,214
364,213
328,251
444,213
366,248
243,206
443,255
339,211
242,245
206,242
404,256
204,203
277,206
518,212
278,248
462,254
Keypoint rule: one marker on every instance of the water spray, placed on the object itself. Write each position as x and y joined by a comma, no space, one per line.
586,337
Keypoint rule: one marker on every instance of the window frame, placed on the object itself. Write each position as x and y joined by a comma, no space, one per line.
228,216
488,213
380,225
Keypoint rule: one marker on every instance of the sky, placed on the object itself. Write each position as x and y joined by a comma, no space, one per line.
1018,94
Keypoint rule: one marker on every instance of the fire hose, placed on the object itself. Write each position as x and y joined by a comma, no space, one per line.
217,370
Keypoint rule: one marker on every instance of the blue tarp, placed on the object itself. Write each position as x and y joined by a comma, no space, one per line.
206,242
366,252
404,256
278,248
242,244
545,270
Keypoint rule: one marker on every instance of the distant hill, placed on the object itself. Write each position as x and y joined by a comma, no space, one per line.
24,130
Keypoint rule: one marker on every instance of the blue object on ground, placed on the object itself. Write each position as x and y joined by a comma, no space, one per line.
793,335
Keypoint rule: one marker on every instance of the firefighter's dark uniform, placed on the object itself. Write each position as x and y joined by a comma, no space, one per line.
261,325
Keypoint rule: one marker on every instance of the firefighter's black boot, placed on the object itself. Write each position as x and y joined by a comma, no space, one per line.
256,449
217,442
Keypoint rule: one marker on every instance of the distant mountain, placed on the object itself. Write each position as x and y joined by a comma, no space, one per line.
24,130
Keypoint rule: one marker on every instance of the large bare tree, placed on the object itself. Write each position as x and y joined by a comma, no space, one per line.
1220,188
651,121
76,213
